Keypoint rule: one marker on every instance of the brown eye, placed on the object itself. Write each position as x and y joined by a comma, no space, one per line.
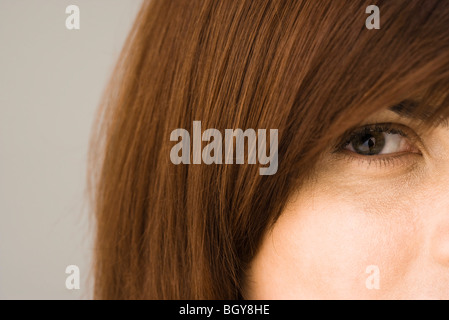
381,139
370,143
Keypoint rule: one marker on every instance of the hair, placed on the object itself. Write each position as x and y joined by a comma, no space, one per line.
310,69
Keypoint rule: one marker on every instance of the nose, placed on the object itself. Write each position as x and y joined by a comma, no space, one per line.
438,218
437,199
439,247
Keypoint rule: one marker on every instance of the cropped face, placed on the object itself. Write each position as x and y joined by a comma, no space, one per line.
373,223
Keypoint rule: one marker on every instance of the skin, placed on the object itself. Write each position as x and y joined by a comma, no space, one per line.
392,214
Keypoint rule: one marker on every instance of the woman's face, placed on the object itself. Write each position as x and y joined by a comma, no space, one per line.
372,224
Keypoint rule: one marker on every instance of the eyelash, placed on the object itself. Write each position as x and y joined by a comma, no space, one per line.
377,127
378,160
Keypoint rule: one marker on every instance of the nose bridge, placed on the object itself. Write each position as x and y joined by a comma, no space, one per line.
439,217
441,190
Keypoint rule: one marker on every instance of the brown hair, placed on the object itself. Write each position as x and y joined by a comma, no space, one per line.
310,69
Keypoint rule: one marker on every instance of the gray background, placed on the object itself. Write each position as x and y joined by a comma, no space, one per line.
51,81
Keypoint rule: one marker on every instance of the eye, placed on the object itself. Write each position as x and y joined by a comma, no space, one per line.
381,139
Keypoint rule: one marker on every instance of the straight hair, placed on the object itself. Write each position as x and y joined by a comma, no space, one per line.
310,69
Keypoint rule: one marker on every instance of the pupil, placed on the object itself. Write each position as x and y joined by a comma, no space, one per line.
370,143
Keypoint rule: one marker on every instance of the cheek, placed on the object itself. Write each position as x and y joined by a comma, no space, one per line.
321,247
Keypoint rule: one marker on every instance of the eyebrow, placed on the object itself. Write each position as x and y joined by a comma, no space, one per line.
410,109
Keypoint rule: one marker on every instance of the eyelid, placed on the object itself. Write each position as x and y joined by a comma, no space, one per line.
378,163
386,127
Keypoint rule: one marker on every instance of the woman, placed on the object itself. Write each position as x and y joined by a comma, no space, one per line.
358,206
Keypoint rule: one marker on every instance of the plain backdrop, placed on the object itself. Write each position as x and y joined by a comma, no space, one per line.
51,82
